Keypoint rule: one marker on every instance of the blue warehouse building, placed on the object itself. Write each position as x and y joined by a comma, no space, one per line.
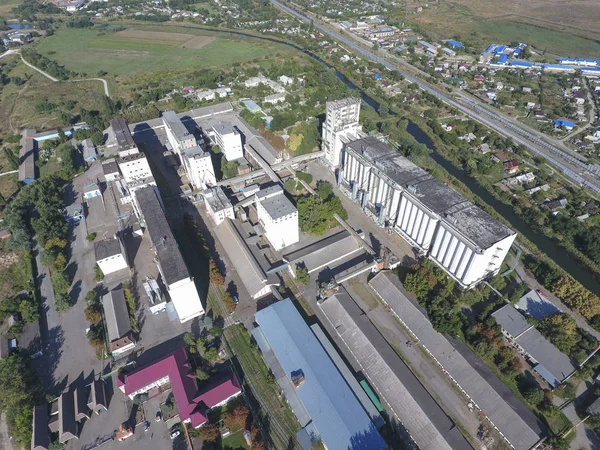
326,407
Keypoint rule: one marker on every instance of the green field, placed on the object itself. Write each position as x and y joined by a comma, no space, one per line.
85,50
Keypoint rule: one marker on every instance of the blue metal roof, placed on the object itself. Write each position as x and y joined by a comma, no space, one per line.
454,43
490,48
251,105
500,49
564,123
521,63
377,76
503,59
336,413
551,379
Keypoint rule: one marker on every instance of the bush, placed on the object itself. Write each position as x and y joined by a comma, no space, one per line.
62,302
229,302
90,237
98,275
93,313
306,177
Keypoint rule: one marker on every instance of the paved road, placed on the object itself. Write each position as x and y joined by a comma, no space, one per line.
578,171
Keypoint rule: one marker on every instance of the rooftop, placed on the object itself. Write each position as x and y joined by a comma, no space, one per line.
131,157
164,243
249,264
110,166
191,402
556,364
536,305
40,439
322,253
122,133
520,426
336,104
278,206
217,199
224,128
115,314
107,248
174,123
333,408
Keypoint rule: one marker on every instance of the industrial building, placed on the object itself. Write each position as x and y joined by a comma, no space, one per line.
218,206
198,167
278,216
110,255
324,404
178,136
249,262
134,166
462,239
396,385
553,365
27,172
172,268
513,420
110,170
341,122
193,403
119,137
118,325
229,141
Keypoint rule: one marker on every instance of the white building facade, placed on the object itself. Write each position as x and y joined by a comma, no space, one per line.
218,205
110,255
229,141
462,239
178,135
198,167
341,122
278,216
134,166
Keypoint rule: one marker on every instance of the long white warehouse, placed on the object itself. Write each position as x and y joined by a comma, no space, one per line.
462,239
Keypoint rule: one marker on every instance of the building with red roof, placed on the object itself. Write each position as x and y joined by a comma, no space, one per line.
193,403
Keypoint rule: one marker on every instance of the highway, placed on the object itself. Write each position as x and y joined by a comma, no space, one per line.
580,172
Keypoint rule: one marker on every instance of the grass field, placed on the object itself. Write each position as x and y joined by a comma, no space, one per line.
128,53
472,21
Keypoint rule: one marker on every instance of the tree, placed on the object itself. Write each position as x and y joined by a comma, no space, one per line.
98,274
210,432
229,168
229,302
29,310
324,189
62,302
211,355
188,339
216,332
236,419
201,375
420,282
91,237
302,275
93,313
214,273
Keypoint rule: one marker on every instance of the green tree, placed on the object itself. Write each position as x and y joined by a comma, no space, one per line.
201,375
29,310
93,313
229,302
302,275
324,189
229,168
216,332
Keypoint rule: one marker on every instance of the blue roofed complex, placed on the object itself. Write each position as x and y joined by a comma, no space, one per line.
454,43
503,58
336,415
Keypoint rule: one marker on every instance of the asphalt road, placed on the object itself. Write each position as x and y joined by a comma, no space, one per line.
572,167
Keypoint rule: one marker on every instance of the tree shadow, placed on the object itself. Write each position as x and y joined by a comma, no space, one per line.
46,364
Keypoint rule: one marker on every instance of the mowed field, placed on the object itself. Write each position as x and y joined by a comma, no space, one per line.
132,51
481,22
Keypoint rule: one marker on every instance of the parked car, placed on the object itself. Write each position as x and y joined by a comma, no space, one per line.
175,431
158,416
146,425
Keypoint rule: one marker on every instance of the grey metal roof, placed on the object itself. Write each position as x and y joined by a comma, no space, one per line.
107,248
81,408
131,157
594,408
514,420
122,133
67,427
27,167
278,206
534,304
511,320
334,409
454,209
245,261
115,314
173,267
418,412
97,395
40,438
172,120
224,128
110,166
322,253
533,342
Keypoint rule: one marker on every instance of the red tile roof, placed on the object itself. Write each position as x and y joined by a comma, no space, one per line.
191,403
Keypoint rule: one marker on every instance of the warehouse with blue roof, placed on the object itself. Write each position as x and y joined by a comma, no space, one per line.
336,417
503,59
455,44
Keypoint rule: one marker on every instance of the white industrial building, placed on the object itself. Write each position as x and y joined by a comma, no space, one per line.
110,255
229,141
341,122
134,166
198,167
178,136
218,206
462,239
173,271
119,136
278,216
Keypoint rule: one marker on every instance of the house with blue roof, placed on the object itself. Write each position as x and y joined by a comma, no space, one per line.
454,44
377,76
326,407
564,124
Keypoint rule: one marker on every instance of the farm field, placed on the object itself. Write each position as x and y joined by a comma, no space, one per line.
470,21
7,5
133,51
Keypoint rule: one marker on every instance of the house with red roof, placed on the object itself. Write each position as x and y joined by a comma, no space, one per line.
192,402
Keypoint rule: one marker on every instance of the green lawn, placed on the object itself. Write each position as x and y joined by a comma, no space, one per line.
235,441
556,42
87,50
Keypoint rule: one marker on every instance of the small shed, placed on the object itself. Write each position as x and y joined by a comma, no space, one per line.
89,150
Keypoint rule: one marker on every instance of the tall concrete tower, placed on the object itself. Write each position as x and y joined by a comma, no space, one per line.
341,122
